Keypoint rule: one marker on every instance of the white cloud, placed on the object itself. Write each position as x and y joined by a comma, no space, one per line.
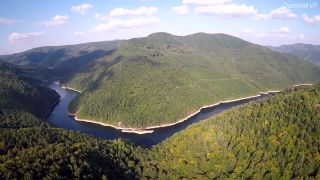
312,20
206,2
228,10
81,9
101,17
282,13
24,37
281,30
279,13
146,11
57,20
79,33
123,24
7,21
252,33
180,9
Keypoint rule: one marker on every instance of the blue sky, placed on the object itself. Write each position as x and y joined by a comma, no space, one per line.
33,23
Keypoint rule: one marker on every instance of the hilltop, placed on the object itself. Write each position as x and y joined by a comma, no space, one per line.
163,78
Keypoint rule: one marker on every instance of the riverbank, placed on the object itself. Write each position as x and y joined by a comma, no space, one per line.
221,102
123,129
51,109
151,129
67,88
209,106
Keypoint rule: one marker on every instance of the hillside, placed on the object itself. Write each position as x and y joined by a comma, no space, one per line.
62,61
20,90
307,52
163,78
31,148
272,139
277,138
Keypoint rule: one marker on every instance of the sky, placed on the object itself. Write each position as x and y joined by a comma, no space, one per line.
26,24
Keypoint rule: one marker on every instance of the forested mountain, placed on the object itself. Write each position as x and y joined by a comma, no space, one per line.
272,139
62,61
278,138
307,52
21,90
162,78
52,56
31,148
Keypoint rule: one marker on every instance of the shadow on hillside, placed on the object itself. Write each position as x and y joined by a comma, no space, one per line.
66,70
113,169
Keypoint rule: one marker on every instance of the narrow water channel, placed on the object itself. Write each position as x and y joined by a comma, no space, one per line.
59,116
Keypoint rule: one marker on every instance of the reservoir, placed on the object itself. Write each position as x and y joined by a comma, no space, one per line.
59,117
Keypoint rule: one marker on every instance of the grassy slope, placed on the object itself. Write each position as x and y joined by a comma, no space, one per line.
162,78
20,91
278,137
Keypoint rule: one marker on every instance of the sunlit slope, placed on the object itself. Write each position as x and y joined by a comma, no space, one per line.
275,139
163,78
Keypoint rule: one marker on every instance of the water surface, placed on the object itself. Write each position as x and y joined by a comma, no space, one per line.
59,117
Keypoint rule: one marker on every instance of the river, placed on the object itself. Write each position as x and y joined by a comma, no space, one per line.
59,117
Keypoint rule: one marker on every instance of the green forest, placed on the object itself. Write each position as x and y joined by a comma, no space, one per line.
31,148
23,89
275,138
163,78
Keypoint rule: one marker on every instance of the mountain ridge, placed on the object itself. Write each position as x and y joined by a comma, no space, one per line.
182,60
307,52
161,78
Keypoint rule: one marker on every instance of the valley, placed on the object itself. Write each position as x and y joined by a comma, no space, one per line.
273,138
61,118
151,89
261,123
162,78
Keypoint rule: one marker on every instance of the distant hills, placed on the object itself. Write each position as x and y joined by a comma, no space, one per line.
51,56
307,52
162,78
